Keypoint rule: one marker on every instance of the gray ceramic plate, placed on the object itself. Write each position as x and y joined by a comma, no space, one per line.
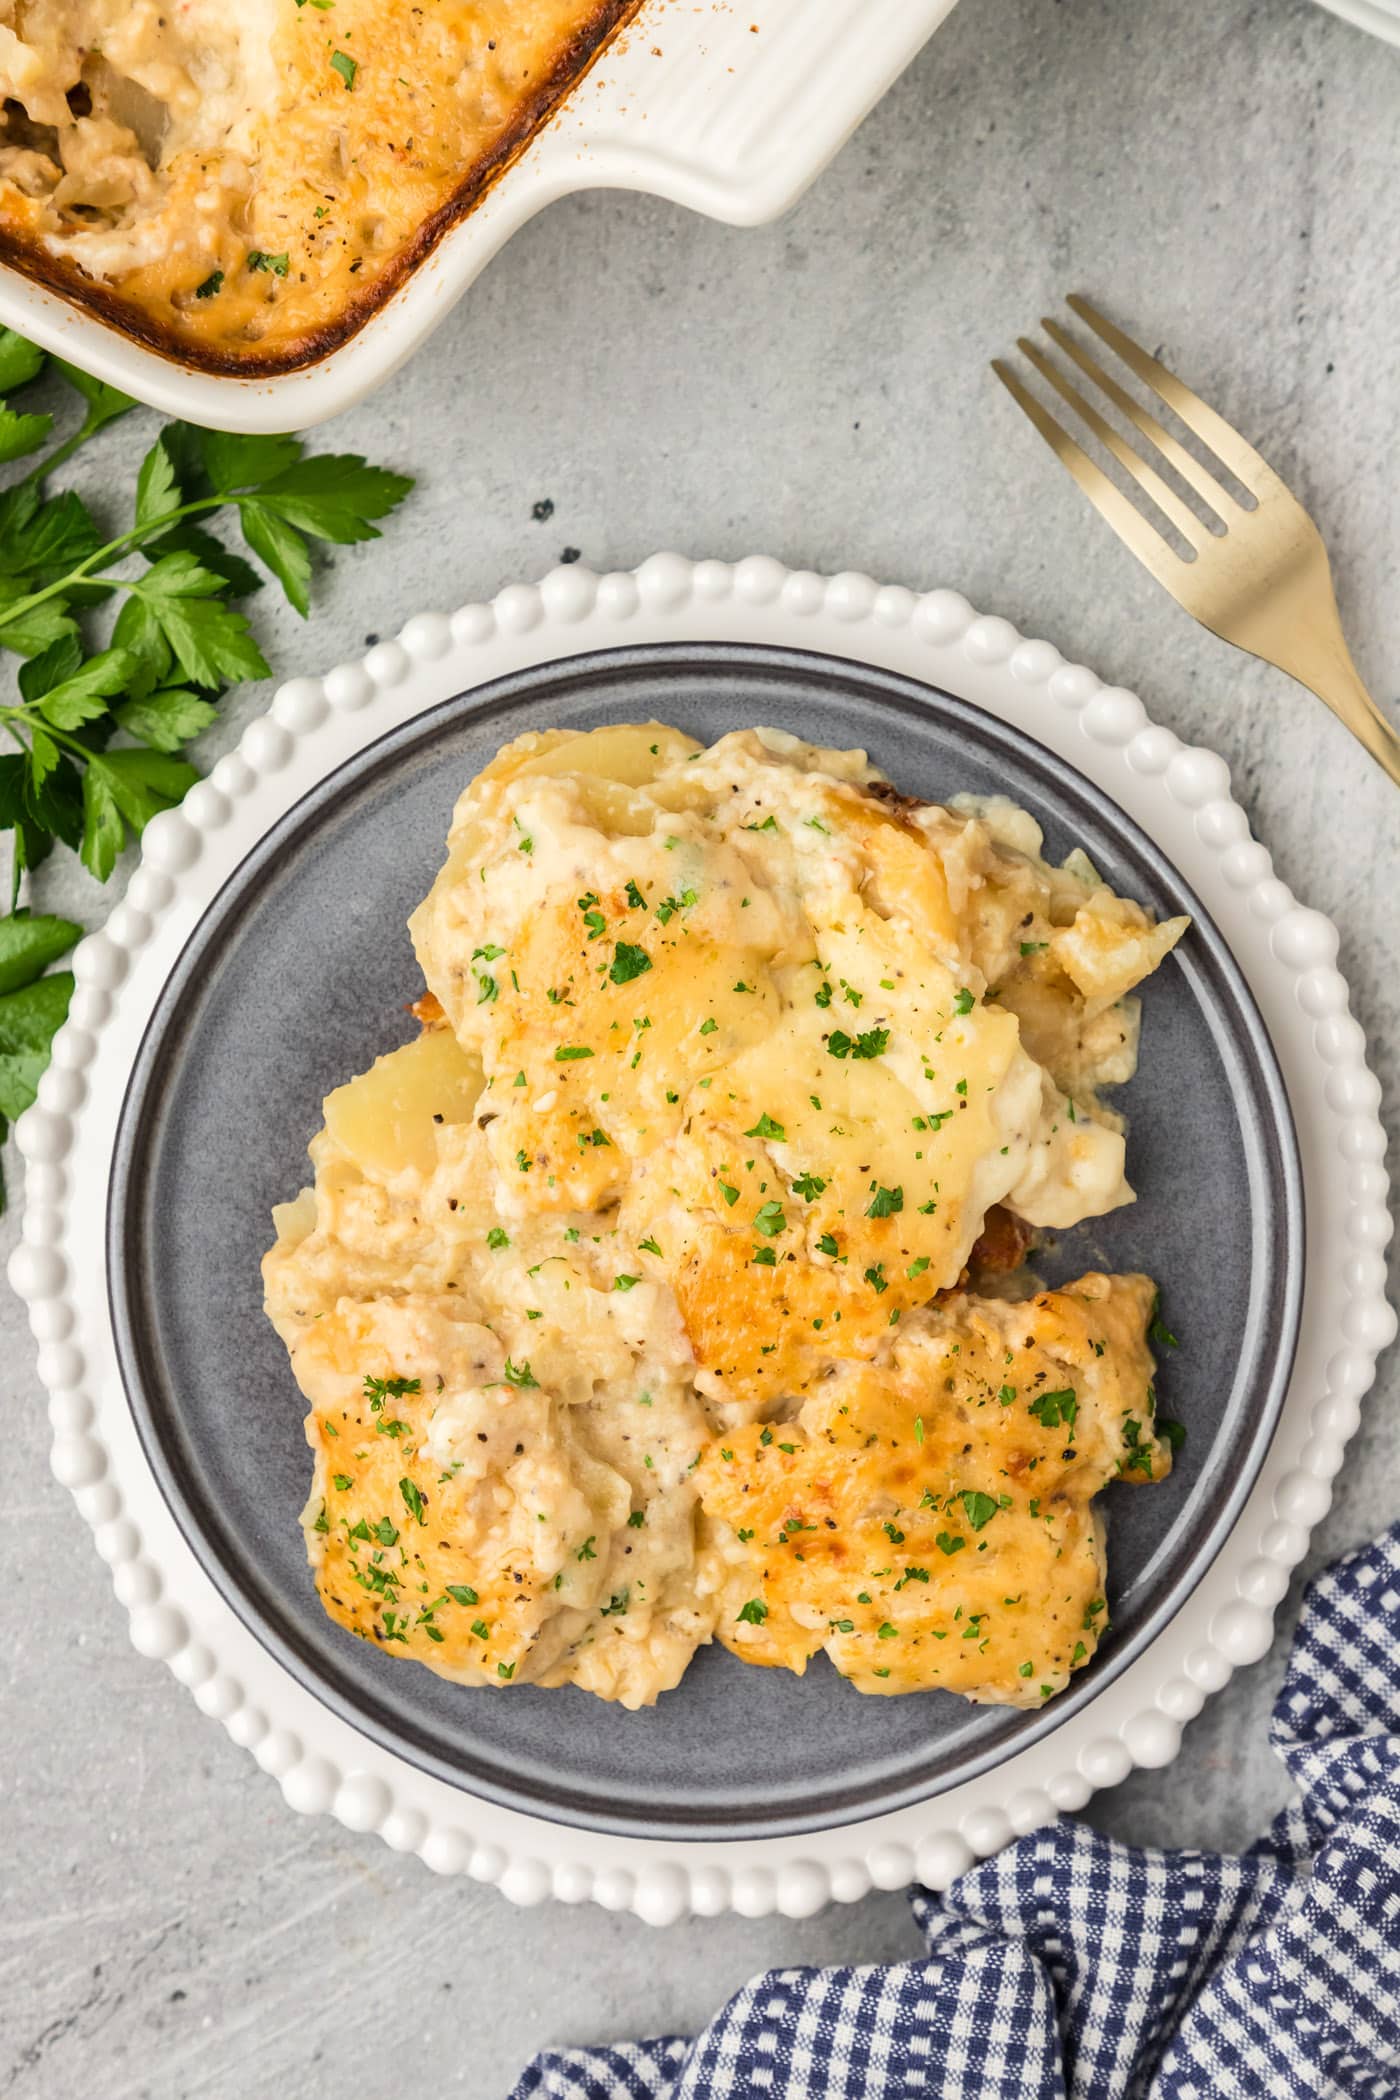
297,977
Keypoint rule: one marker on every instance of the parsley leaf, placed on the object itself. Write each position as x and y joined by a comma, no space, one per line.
871,1044
886,1203
980,1508
99,726
628,962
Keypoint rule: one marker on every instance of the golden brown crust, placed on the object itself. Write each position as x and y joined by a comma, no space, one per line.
574,59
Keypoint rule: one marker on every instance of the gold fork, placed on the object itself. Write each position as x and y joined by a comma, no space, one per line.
1262,581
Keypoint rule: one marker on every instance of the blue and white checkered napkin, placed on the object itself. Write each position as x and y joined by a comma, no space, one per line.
1072,1965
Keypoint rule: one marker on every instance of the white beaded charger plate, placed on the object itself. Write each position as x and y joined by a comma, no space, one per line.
1285,953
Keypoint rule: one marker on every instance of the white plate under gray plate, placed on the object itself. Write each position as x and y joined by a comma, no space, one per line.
412,1764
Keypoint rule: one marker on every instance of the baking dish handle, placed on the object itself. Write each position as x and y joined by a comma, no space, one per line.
734,110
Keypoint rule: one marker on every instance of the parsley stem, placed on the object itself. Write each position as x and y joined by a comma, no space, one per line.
9,715
104,556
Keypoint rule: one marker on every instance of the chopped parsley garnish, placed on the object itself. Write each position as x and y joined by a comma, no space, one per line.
753,1613
823,996
498,1237
916,1268
413,1498
709,1027
378,1390
628,962
808,1187
1033,947
980,1508
570,1053
506,1670
343,1482
827,1244
616,1604
462,1593
885,1203
648,1246
345,65
585,1551
888,1632
625,1283
949,1542
764,1257
963,1003
871,1044
876,1278
768,824
729,1193
1050,1409
274,265
770,1219
212,285
1174,1433
520,1375
1157,1331
635,898
765,1127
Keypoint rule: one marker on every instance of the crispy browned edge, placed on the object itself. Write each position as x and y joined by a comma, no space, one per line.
57,275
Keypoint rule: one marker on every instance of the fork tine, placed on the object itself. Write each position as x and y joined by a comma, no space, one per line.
1143,473
1189,468
1130,525
1224,441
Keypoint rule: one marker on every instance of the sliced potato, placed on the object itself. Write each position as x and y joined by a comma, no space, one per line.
386,1118
632,753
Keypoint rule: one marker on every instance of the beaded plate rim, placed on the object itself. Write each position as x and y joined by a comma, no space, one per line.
1285,951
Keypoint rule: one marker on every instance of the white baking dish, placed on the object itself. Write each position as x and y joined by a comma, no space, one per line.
730,110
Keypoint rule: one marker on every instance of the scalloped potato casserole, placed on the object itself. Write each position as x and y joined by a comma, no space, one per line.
245,184
649,1296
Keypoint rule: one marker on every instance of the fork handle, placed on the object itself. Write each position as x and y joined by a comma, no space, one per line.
1330,673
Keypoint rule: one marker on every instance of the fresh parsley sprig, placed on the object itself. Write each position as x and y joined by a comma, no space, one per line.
98,726
32,1007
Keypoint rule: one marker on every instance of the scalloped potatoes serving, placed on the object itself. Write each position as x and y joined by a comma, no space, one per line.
631,1300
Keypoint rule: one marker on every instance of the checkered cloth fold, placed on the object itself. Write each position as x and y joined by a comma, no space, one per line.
1071,1965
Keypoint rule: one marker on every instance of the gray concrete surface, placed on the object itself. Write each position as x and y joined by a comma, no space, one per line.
1223,176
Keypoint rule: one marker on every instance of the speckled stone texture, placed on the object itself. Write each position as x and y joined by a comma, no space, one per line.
1219,176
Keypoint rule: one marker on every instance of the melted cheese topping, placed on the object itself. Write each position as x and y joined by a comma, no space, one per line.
249,180
928,1522
726,1065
